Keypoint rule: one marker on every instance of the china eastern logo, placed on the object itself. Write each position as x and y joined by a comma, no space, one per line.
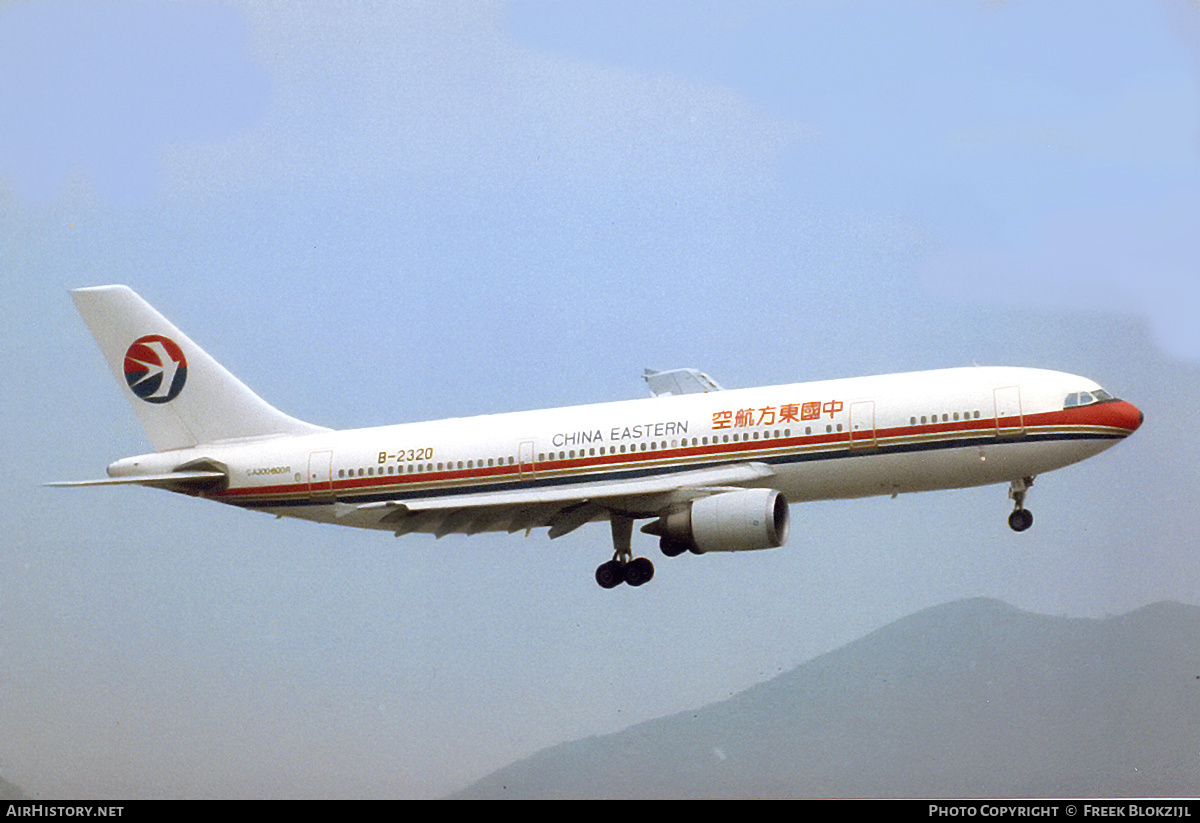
155,368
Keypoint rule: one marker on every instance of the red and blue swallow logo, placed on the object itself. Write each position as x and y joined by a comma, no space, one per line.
155,368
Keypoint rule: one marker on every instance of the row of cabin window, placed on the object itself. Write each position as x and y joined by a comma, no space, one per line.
1083,398
370,471
603,450
655,445
543,457
946,418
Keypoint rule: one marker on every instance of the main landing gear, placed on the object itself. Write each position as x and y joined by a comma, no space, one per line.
624,567
1021,517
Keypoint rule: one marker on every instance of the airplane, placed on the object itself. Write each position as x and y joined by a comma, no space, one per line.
711,469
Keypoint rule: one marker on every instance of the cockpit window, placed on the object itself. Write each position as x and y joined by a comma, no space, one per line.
1087,398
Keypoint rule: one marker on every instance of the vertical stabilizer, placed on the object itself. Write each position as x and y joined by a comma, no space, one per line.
181,395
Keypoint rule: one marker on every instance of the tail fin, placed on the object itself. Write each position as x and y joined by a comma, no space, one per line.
181,396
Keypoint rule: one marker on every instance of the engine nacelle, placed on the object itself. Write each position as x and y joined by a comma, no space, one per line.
727,522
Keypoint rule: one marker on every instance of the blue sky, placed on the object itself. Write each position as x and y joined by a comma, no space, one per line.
378,213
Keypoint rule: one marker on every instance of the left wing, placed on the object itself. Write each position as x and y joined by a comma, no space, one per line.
562,508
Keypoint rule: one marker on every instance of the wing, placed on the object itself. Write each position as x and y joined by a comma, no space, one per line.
679,381
561,508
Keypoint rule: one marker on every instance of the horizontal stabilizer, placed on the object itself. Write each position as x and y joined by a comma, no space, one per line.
168,480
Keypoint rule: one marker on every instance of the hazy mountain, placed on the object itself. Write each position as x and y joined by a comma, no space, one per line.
974,698
9,791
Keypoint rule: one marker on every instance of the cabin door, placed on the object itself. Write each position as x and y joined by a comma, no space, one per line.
525,458
320,474
862,424
1009,420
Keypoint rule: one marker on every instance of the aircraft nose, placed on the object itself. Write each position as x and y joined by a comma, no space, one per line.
1128,416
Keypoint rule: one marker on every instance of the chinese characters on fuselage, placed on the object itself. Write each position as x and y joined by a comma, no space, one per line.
772,415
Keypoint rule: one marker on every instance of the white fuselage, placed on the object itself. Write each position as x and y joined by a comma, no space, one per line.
844,438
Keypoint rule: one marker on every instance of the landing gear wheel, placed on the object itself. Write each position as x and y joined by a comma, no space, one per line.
624,567
638,571
611,574
1020,520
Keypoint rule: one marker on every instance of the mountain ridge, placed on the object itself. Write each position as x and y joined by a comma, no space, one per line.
970,698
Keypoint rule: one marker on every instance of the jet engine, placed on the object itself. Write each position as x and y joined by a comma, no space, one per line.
726,522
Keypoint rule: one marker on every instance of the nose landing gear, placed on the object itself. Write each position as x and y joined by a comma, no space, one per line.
1021,518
